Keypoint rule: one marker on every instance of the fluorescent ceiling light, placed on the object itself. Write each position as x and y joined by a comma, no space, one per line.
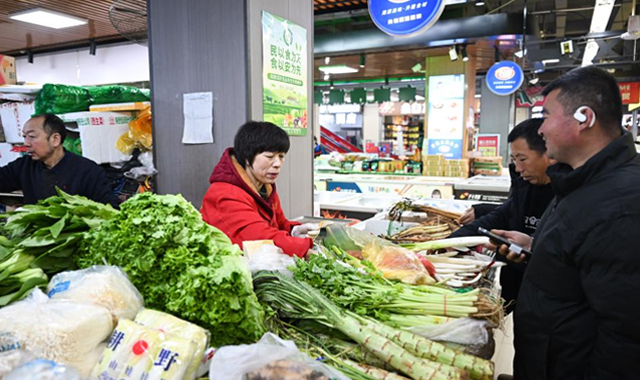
47,18
534,80
337,69
479,3
548,61
478,96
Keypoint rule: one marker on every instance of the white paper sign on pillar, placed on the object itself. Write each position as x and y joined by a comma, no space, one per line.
198,118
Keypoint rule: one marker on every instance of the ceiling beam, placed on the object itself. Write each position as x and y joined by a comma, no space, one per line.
561,18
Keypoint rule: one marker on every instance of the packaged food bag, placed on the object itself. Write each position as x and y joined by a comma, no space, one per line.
106,286
138,352
176,326
42,369
63,331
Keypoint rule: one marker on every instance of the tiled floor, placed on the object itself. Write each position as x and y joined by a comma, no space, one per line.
503,356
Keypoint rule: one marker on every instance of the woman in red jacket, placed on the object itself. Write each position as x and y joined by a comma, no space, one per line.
242,200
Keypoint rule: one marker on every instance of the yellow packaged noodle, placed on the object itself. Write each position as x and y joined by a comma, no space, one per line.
125,335
176,326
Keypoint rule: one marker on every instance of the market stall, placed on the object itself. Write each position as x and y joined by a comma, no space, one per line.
151,290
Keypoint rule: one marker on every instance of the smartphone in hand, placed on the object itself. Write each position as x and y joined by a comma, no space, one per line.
503,241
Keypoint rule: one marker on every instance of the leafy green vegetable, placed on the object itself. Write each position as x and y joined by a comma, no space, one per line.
42,239
180,265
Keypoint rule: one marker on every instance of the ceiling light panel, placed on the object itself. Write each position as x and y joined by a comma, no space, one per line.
50,19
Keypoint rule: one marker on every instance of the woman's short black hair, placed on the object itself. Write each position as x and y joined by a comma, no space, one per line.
528,130
256,137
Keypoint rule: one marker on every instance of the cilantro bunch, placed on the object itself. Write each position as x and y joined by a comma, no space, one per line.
180,265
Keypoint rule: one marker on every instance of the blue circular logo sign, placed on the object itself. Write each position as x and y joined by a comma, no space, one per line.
404,18
504,78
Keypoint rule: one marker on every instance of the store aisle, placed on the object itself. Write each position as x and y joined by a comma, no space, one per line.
503,356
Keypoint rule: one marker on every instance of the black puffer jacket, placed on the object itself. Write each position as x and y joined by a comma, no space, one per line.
521,212
578,314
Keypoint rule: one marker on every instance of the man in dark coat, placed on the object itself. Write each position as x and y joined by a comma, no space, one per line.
530,194
48,165
577,315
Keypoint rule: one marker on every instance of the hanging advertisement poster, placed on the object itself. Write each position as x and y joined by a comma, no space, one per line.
488,144
445,127
284,74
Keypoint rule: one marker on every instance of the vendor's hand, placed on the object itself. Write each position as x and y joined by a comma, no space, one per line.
468,216
307,229
516,237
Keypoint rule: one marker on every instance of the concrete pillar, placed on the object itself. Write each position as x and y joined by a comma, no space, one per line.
497,116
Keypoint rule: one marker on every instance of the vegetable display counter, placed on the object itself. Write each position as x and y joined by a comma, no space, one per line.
483,188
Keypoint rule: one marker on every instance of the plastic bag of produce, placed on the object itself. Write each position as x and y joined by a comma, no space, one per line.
270,359
60,98
106,286
461,331
267,256
117,94
138,352
12,354
59,330
139,134
176,326
43,369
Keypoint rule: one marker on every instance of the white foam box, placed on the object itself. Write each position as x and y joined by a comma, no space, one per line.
7,154
99,132
14,115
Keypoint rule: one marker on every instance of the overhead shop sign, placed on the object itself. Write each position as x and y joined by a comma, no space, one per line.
405,18
504,78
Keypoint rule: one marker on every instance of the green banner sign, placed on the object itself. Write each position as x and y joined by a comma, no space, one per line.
284,74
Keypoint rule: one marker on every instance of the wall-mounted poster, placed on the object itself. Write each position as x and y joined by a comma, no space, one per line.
445,127
284,74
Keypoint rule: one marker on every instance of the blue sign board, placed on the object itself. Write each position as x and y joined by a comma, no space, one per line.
449,148
343,187
504,78
404,18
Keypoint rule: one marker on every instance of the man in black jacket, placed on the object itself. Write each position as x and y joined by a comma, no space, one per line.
530,194
48,165
577,315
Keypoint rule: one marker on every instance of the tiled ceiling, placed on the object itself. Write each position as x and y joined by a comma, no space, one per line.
16,36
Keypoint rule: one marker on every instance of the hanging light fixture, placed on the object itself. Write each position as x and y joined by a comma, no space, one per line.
362,60
463,51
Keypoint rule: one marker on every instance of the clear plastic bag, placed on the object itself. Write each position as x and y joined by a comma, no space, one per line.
466,331
43,369
248,362
63,331
12,355
106,286
269,257
139,173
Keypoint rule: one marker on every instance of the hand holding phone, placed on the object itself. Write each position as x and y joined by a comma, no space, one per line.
503,241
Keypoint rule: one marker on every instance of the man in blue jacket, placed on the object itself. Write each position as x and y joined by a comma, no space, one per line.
48,165
577,314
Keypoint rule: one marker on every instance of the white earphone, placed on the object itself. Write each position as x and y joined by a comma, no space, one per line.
581,117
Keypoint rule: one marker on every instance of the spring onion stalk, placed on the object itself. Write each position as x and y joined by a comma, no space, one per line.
297,300
470,241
